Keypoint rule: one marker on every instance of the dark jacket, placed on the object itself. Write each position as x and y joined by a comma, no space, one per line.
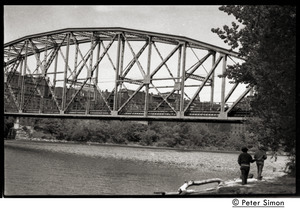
245,158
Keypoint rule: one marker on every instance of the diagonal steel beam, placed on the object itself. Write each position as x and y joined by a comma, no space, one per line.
65,60
204,82
52,56
104,52
108,56
88,54
93,69
17,104
187,76
101,94
53,94
135,57
83,59
48,63
129,99
132,62
8,101
165,60
36,83
196,55
162,59
19,57
239,99
231,91
165,99
36,52
12,71
33,80
199,63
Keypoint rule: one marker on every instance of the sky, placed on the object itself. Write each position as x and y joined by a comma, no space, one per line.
194,21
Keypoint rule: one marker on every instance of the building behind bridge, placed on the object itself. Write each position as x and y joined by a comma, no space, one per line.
38,97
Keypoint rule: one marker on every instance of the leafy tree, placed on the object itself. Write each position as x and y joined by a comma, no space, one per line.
266,37
198,135
49,125
148,137
132,131
98,131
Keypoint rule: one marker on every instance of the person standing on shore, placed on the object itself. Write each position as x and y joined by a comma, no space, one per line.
244,161
260,156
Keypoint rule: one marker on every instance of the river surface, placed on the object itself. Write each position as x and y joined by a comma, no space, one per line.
41,168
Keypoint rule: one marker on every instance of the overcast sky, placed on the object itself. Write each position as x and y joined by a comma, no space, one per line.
190,21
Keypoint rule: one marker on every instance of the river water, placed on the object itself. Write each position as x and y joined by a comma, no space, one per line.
32,169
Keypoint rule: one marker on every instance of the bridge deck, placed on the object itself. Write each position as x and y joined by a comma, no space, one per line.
132,117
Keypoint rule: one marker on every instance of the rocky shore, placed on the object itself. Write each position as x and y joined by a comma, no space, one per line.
281,185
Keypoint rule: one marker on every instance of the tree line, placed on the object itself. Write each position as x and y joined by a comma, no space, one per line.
187,135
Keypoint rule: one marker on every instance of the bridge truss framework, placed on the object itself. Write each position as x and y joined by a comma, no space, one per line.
150,76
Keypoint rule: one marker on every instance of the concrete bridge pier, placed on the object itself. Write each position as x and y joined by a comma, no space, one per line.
13,131
17,123
17,132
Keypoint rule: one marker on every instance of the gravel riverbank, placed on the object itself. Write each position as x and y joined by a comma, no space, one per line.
213,161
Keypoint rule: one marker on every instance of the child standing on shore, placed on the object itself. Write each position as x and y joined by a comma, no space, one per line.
244,161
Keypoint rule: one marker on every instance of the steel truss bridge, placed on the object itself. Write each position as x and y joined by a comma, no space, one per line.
121,73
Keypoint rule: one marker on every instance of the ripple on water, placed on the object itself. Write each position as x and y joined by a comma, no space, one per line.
38,168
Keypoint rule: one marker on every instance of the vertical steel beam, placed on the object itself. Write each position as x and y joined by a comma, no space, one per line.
179,64
43,82
122,57
37,56
178,80
64,94
212,87
23,79
121,70
20,81
97,71
75,62
55,70
223,84
44,63
181,110
89,77
147,78
115,107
